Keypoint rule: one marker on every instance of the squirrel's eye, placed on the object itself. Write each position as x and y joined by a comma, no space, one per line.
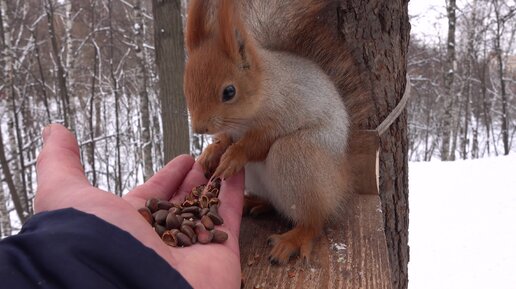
228,93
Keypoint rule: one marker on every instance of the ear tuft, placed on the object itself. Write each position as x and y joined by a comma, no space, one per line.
196,27
233,36
242,50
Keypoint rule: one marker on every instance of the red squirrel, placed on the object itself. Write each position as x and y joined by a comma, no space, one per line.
257,80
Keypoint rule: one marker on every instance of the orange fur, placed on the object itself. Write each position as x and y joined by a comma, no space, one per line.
229,26
208,58
197,26
299,240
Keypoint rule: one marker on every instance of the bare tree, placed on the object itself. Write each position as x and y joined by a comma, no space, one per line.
500,20
116,94
8,177
61,74
94,109
143,76
5,218
17,183
449,77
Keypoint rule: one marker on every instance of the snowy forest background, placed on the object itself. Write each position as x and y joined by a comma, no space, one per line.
90,65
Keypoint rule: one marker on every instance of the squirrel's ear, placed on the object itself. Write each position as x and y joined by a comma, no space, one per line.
196,27
233,35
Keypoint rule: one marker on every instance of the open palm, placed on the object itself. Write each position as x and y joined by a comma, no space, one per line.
62,184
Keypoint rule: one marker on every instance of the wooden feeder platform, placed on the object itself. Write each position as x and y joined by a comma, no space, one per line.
352,251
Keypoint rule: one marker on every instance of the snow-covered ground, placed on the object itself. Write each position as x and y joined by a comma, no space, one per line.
463,224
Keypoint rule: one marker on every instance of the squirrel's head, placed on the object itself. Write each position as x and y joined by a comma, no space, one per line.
223,72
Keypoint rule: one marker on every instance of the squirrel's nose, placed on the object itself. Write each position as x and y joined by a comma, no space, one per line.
199,128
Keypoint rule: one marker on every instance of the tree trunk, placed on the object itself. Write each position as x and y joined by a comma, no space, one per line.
143,76
378,33
93,100
449,74
5,219
501,73
42,82
17,200
116,93
61,75
486,107
170,58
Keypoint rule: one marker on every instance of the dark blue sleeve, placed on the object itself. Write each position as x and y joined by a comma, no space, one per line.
71,249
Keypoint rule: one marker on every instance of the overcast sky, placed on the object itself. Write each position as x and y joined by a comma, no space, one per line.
428,19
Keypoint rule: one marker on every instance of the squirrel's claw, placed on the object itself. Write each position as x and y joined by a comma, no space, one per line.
210,158
298,241
232,161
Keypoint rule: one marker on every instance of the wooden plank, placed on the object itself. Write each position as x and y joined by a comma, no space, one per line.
363,155
352,253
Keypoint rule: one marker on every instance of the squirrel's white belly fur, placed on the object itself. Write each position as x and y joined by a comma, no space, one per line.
309,146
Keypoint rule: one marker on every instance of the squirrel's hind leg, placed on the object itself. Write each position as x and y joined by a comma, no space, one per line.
306,186
298,241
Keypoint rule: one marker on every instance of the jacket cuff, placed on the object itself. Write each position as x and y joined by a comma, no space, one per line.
68,248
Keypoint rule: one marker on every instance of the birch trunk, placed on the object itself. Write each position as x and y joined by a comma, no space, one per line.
5,218
501,74
61,75
449,77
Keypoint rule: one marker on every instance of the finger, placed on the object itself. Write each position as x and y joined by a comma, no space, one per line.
232,202
165,183
59,167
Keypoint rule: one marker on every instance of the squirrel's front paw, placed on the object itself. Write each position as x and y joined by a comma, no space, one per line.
232,161
210,158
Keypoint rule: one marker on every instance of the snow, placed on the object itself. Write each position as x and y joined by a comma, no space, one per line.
462,231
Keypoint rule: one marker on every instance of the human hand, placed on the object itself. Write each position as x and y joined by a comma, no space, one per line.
62,184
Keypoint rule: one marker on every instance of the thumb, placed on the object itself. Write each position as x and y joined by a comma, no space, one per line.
59,169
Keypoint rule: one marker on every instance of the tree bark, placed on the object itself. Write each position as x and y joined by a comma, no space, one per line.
42,82
449,76
378,33
5,219
143,76
116,93
93,100
501,73
17,201
170,58
61,75
468,71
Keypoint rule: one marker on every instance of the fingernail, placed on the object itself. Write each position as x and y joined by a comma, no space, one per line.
46,133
